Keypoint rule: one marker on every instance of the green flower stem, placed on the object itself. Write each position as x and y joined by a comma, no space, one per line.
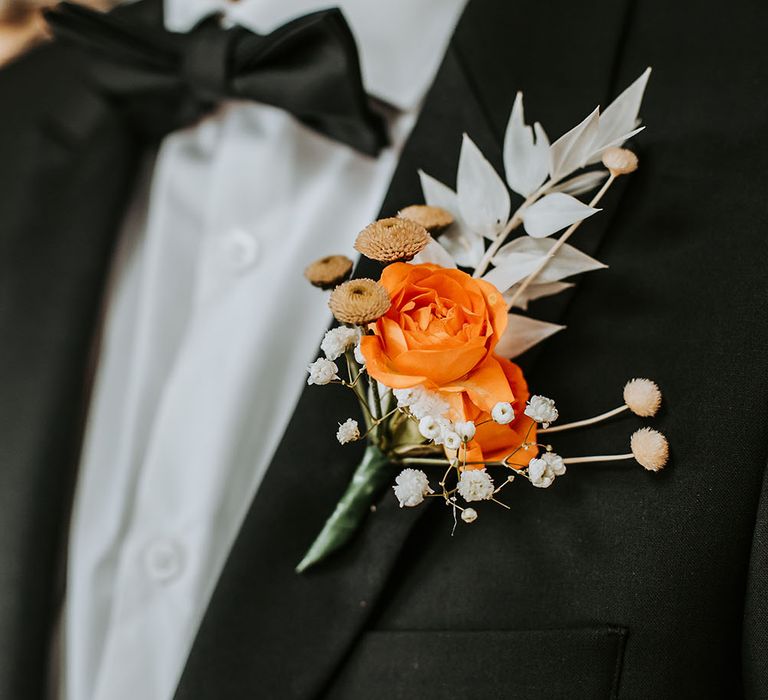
371,474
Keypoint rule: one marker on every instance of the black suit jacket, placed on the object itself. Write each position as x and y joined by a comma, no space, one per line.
613,583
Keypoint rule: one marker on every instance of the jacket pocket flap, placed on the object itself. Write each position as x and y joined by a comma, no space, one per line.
574,663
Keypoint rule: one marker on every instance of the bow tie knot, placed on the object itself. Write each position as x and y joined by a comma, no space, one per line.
166,80
205,62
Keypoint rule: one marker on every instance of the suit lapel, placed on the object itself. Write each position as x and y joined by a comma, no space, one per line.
271,632
64,175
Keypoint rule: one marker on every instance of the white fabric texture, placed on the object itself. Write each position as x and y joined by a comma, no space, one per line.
208,332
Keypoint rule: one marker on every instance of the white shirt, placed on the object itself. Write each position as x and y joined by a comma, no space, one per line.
209,329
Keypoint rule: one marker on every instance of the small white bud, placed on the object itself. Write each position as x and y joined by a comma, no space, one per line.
465,430
451,440
430,427
503,413
469,515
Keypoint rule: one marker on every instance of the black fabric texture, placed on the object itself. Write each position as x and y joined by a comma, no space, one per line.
167,80
615,582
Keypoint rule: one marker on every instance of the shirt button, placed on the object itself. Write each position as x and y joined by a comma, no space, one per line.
240,249
164,560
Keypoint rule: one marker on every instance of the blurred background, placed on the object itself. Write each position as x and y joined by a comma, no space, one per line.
22,25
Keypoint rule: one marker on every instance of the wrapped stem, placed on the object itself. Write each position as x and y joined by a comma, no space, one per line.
371,474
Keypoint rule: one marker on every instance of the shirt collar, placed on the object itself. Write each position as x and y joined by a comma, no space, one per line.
401,42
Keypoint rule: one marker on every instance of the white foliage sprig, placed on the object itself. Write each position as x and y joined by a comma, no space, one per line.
533,265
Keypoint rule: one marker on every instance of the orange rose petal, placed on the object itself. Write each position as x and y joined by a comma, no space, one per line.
486,385
380,368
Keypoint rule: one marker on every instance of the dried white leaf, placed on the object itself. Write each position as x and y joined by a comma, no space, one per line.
436,254
581,184
466,248
436,194
483,197
597,154
526,159
523,333
571,150
535,291
505,275
619,120
554,212
566,262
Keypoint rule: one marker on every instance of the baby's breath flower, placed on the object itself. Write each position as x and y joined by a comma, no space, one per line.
539,473
427,403
465,430
542,410
411,486
405,397
451,440
430,427
475,485
348,431
469,515
338,340
650,448
643,397
322,371
554,463
503,413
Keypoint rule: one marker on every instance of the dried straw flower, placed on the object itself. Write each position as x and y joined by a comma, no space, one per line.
643,397
620,161
434,219
359,302
650,448
392,240
329,272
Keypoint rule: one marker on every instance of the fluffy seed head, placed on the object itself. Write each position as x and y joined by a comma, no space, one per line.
392,240
643,397
650,448
359,302
330,271
434,219
620,161
469,515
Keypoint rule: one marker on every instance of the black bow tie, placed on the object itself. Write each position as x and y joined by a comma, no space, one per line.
166,80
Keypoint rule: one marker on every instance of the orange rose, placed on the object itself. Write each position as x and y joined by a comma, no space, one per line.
439,333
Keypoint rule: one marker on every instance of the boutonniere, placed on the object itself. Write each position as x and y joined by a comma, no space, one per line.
428,348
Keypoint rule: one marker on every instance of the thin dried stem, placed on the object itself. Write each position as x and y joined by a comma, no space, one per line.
560,243
597,458
586,421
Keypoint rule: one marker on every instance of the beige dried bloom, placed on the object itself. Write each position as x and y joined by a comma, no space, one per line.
391,240
329,272
434,219
643,397
650,448
359,302
620,161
